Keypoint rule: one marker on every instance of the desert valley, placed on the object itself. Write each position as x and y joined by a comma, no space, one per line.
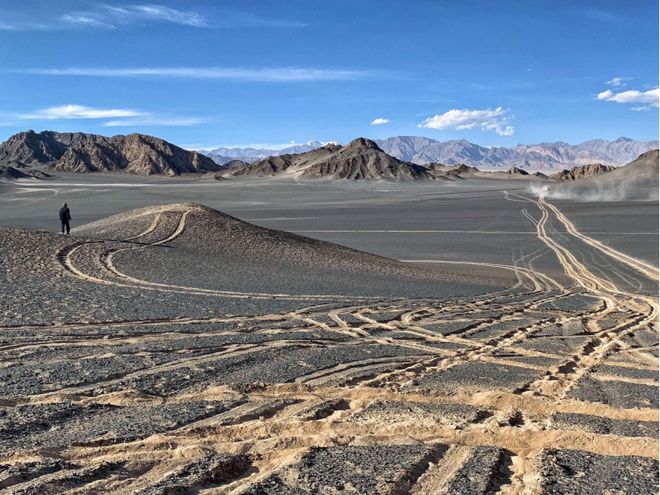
337,320
339,247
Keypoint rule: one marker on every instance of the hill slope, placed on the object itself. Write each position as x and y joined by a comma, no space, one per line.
214,251
79,152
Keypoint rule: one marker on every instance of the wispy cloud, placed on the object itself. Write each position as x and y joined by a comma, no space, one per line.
155,120
648,98
489,119
618,81
119,117
104,16
77,112
380,121
600,15
267,74
130,14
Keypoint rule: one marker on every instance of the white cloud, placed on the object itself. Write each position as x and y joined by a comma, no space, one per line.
489,119
649,97
273,74
78,112
380,121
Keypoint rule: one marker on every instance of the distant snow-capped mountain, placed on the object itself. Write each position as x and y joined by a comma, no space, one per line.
543,156
223,155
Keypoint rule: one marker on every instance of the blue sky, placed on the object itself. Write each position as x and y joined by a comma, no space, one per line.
205,74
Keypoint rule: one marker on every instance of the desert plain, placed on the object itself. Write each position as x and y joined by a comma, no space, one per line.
276,336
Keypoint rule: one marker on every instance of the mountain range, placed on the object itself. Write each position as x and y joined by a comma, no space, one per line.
79,152
224,155
546,157
30,154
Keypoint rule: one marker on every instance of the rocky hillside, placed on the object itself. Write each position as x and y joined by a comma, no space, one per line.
78,152
360,159
582,171
544,156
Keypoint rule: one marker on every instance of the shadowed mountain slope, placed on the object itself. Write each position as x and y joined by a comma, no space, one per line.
9,172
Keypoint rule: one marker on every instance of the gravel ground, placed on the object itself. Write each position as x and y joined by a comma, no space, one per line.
582,473
212,353
618,394
478,474
352,469
478,376
605,426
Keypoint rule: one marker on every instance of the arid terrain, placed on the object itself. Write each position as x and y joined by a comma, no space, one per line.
494,342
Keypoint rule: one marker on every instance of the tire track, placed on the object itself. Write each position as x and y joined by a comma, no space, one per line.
644,268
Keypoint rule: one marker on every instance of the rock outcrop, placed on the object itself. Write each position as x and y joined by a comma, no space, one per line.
582,172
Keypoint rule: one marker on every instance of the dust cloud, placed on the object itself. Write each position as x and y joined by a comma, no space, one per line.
640,186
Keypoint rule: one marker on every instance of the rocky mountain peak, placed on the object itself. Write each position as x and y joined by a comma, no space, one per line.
363,143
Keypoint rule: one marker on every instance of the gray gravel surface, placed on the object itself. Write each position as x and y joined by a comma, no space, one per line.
581,473
618,394
130,365
478,475
60,425
478,376
364,469
605,426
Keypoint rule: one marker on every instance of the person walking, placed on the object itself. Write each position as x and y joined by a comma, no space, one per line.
65,218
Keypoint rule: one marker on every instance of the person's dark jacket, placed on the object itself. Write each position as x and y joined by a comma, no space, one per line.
65,214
